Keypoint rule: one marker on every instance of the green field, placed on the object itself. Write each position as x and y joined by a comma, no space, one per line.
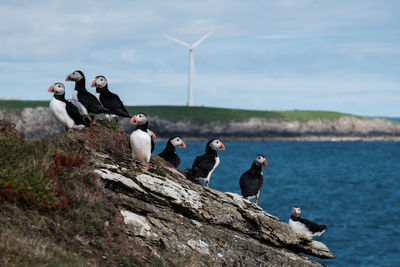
19,104
200,115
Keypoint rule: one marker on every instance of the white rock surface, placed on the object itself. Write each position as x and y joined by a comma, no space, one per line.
172,190
138,223
116,177
199,245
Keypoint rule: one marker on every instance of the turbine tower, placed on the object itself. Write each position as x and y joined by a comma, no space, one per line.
191,62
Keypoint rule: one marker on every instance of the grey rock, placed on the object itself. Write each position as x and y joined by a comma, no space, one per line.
171,214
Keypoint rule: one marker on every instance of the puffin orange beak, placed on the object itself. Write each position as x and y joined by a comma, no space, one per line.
93,83
154,136
183,145
68,78
133,120
51,89
222,147
265,163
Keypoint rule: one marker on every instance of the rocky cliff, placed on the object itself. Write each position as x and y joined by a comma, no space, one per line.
37,122
165,214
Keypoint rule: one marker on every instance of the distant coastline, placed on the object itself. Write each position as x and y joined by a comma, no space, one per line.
33,120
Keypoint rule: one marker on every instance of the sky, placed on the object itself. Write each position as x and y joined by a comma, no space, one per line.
336,55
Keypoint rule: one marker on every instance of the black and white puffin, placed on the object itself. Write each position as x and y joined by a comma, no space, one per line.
153,138
109,100
87,103
140,140
251,181
63,110
204,165
169,154
305,227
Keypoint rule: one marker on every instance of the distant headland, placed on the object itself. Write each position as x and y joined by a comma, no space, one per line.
33,120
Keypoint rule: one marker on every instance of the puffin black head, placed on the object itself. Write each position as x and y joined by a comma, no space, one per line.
296,211
75,76
177,141
215,144
57,89
99,82
260,160
139,119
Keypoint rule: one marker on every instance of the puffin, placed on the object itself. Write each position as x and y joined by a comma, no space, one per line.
140,140
63,110
169,154
204,165
251,180
109,100
87,103
305,227
153,138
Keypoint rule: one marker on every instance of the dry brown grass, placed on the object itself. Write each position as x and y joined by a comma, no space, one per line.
90,229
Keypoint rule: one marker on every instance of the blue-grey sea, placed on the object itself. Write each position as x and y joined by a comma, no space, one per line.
352,187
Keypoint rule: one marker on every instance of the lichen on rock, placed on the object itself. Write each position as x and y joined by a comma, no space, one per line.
173,214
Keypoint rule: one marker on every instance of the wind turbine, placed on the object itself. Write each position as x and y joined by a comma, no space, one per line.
191,62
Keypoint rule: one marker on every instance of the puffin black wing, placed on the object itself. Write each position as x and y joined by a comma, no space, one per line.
312,226
73,112
91,103
175,161
250,183
172,158
152,144
114,104
202,165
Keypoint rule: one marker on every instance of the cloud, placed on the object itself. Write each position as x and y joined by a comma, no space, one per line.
290,52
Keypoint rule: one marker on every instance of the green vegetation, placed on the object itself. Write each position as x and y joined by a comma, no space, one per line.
19,104
158,171
201,115
53,210
112,124
35,173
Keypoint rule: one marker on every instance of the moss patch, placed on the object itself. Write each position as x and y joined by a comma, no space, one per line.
111,124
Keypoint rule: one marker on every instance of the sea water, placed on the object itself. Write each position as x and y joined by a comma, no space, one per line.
352,187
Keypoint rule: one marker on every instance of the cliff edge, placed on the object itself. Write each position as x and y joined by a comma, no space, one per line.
147,218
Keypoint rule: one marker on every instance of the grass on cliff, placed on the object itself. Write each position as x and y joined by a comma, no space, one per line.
200,115
53,211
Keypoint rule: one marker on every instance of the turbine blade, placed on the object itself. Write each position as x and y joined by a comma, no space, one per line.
177,41
201,39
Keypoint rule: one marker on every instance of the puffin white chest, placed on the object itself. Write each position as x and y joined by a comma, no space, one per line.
141,145
300,228
59,111
98,96
214,167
